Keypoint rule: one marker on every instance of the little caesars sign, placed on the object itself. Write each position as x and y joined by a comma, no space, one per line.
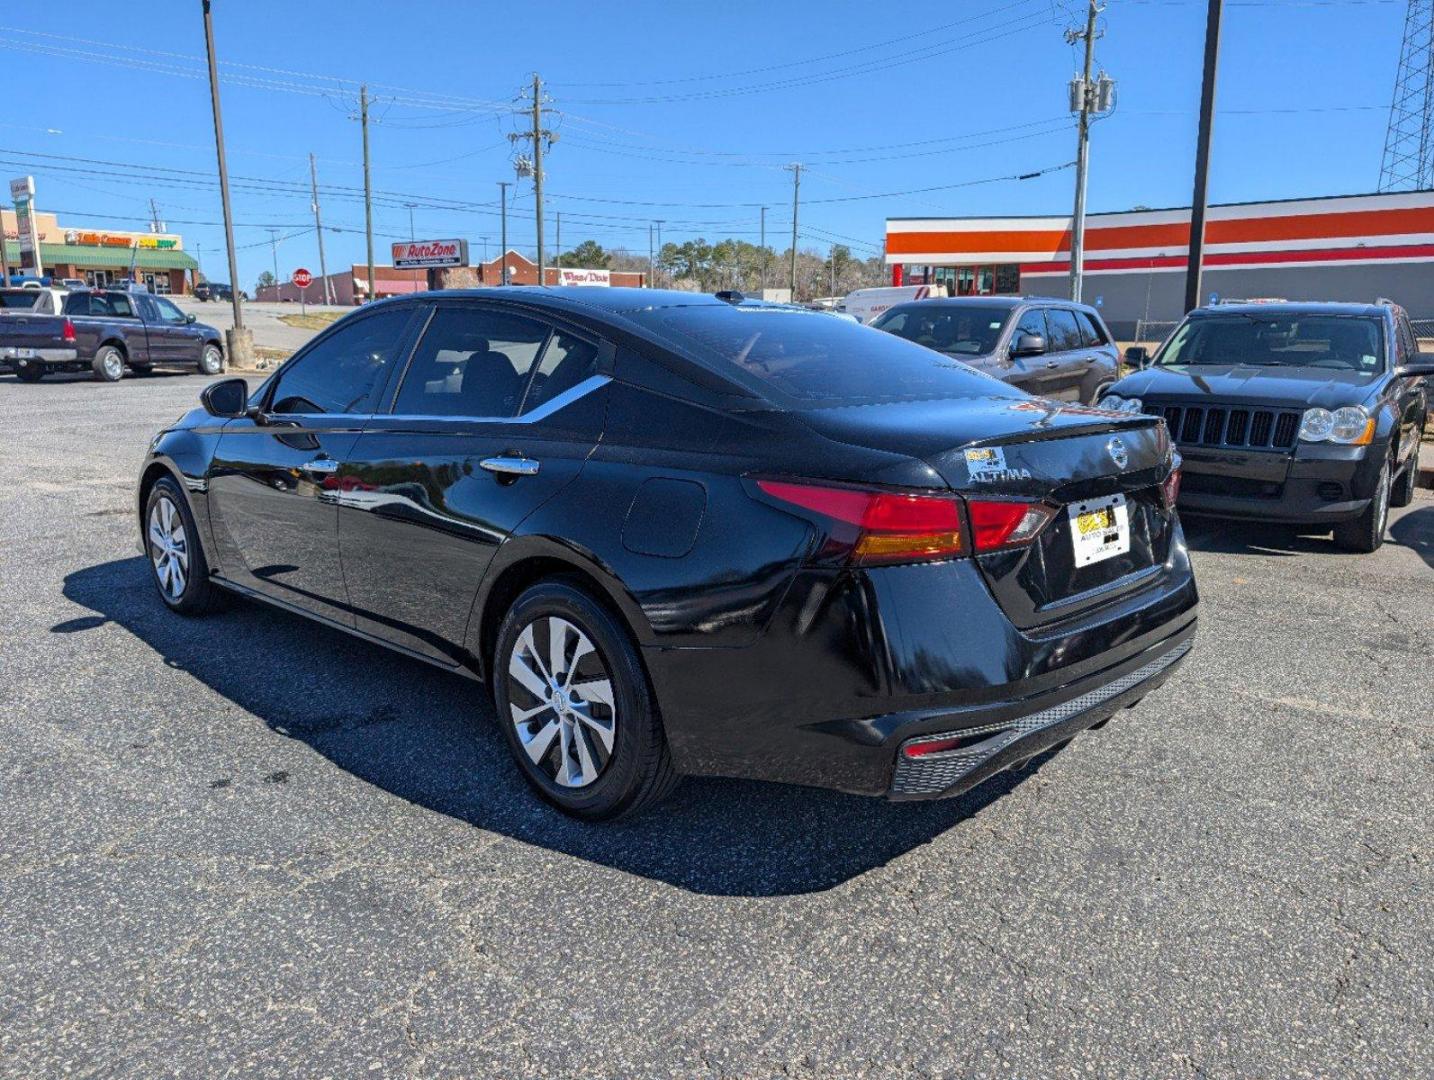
426,254
22,192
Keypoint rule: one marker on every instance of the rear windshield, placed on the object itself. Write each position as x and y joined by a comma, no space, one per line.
810,359
959,331
1337,342
19,298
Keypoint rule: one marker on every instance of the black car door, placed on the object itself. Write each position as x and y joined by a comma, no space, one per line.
1032,373
497,412
1410,395
273,479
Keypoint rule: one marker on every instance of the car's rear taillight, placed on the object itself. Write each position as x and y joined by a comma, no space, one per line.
1170,488
68,334
881,526
1001,523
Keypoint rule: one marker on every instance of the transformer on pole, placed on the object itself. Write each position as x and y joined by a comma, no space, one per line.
1408,163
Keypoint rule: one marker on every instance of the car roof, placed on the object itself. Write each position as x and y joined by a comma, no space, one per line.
1294,307
565,297
996,301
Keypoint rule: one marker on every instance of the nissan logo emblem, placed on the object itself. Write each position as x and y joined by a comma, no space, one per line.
1118,453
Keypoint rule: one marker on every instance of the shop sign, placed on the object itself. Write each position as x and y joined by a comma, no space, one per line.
422,254
580,276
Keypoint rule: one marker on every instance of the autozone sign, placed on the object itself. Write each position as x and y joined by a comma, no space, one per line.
567,276
417,254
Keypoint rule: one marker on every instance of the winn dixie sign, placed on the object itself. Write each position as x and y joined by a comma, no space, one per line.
418,254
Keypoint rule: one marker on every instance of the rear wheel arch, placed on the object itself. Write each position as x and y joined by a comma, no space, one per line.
114,342
541,563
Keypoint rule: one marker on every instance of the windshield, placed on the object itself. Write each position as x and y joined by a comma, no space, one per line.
959,331
19,298
812,359
1339,342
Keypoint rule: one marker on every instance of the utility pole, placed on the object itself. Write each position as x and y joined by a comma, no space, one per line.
367,187
833,262
155,225
658,223
649,254
240,342
503,243
1082,150
274,250
485,249
796,188
764,250
1194,266
319,229
558,240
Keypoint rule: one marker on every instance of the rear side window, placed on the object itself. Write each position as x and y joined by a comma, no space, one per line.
807,359
1090,330
1065,334
346,371
471,362
566,362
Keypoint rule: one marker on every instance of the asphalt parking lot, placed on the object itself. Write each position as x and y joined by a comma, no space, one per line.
250,846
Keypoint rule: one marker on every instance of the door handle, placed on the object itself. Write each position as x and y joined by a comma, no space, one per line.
320,467
506,465
1053,363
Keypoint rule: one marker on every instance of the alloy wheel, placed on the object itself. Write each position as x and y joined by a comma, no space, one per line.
1381,512
168,547
561,696
114,365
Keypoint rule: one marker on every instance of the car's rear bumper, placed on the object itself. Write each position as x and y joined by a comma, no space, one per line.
1313,485
994,739
856,664
13,357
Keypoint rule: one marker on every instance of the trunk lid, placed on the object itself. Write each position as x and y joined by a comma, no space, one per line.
1062,454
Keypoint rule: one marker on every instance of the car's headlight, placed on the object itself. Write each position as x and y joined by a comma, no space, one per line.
1121,404
1349,426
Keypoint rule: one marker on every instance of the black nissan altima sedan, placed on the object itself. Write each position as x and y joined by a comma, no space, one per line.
677,535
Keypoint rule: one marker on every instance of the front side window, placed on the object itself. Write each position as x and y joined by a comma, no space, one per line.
346,371
1065,333
809,360
1339,342
956,330
1033,322
471,362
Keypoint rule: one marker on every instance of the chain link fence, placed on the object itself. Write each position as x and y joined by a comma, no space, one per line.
1153,332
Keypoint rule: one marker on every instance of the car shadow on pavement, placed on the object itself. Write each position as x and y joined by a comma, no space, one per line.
1231,537
428,737
1415,530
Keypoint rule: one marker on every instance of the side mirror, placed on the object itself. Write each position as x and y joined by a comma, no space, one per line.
1423,365
1137,356
189,317
1028,345
227,399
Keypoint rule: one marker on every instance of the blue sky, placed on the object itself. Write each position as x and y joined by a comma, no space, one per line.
676,110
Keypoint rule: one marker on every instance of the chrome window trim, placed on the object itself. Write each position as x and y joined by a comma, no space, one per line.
542,412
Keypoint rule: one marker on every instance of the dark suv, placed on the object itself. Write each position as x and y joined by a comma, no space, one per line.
1051,348
1293,412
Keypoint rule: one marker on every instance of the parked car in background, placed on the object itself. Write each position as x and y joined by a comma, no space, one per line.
1050,348
105,331
866,304
681,535
1304,413
216,290
73,283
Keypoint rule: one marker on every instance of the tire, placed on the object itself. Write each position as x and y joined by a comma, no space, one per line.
177,565
1366,532
108,364
593,752
31,374
211,360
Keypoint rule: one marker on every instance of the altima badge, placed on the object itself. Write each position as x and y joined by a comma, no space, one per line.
1118,453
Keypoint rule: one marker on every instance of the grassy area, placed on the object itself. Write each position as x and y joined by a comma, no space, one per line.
313,320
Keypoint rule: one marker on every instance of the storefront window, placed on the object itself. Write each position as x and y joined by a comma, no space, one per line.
1008,278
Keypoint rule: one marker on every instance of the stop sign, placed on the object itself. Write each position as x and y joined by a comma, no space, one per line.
302,278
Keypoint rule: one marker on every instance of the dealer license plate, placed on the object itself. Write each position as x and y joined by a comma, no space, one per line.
1100,529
